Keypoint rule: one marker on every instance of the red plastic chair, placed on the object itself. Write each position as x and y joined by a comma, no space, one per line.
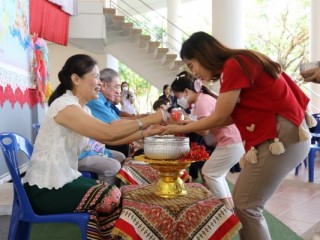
23,215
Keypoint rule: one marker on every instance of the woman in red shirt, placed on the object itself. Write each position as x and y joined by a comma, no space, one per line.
269,110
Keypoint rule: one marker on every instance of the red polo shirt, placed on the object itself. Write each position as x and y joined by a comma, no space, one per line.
260,101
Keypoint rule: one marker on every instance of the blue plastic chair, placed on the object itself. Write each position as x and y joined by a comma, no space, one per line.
315,132
36,126
23,215
315,141
311,158
87,174
315,146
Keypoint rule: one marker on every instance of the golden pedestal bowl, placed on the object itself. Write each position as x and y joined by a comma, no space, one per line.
169,185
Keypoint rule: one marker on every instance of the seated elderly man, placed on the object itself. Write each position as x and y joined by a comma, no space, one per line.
104,109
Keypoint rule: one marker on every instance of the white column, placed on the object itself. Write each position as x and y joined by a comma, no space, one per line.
228,22
315,31
107,3
173,17
112,62
315,50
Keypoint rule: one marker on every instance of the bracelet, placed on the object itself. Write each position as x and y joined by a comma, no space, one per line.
141,136
140,124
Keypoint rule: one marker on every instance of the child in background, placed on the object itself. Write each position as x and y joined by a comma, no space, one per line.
163,103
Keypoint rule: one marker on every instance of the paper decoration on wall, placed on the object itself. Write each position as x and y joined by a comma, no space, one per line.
29,96
21,81
39,67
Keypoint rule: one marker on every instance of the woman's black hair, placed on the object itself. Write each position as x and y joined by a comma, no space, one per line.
123,84
186,80
164,88
212,55
79,64
157,104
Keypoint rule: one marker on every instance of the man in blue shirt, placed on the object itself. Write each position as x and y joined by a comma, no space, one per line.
103,107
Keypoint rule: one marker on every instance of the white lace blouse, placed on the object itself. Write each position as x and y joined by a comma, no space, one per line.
54,161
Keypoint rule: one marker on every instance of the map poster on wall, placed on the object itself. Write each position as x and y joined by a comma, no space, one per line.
15,54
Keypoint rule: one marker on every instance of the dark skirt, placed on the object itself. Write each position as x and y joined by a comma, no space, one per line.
101,200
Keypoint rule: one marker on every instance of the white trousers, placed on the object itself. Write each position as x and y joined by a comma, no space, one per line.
218,165
106,168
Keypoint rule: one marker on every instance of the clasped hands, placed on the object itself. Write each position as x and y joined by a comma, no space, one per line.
169,126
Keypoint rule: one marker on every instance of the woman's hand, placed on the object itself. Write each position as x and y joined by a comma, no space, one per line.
155,129
171,129
186,121
181,122
311,75
162,116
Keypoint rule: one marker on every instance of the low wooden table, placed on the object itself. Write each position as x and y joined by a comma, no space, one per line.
198,215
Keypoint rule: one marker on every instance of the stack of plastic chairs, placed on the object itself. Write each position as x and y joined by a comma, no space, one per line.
23,215
315,146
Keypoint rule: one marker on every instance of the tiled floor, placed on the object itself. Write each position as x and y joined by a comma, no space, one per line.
296,203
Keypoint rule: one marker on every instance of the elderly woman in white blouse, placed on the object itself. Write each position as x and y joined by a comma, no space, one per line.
52,181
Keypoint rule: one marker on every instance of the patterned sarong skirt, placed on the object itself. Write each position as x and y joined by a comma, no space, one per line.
101,200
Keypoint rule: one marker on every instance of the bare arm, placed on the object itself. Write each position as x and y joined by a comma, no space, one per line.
203,132
188,121
221,116
74,118
150,131
125,115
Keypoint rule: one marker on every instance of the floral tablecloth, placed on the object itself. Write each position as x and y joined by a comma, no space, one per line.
198,215
137,172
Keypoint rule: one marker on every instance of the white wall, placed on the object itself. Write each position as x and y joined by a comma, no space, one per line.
59,54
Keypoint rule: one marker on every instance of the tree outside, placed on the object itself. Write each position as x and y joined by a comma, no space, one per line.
279,29
146,94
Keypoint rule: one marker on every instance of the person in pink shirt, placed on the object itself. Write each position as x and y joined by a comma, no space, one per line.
226,140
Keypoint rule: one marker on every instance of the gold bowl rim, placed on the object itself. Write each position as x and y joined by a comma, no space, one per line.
164,162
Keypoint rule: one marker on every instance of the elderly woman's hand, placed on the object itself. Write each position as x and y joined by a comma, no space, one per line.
311,75
155,129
